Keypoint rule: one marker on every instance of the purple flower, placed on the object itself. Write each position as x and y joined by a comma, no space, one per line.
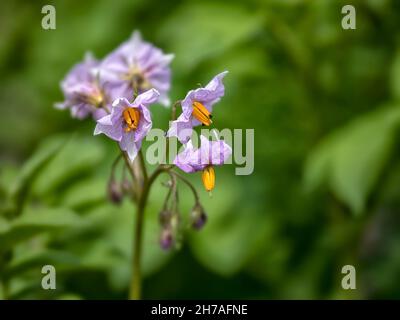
198,216
85,94
128,123
208,155
166,239
197,107
138,64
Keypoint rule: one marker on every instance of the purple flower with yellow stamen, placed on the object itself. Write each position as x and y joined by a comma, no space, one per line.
196,108
85,93
208,155
138,65
128,123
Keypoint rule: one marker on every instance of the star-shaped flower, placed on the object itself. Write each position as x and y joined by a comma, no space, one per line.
85,92
197,107
208,155
128,123
138,65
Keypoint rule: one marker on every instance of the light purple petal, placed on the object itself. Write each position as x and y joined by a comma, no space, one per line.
187,104
220,152
99,113
181,128
145,124
113,132
209,153
212,92
121,103
115,89
184,159
105,121
112,125
216,84
214,152
208,96
129,145
147,98
80,110
80,72
82,91
137,57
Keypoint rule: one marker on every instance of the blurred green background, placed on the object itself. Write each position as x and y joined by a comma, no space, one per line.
325,106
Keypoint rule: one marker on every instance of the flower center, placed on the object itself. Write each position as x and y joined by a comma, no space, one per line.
208,177
131,117
93,97
140,82
201,113
96,99
137,79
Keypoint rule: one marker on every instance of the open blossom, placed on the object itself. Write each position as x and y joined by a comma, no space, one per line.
138,65
85,93
128,123
197,107
208,155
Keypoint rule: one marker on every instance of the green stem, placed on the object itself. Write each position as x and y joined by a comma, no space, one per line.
173,117
5,258
114,166
173,109
187,182
135,178
142,163
136,279
5,290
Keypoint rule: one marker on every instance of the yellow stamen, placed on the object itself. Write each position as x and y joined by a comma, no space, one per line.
208,177
131,117
95,99
201,113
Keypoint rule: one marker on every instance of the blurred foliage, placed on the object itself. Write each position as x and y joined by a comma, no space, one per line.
324,103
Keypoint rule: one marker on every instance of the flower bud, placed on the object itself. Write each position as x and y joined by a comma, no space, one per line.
165,217
198,216
114,192
126,186
166,239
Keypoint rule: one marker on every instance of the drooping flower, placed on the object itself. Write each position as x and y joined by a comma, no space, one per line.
166,239
85,92
114,191
198,216
128,123
208,155
197,107
138,65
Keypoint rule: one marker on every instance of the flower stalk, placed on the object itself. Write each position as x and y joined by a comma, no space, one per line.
136,279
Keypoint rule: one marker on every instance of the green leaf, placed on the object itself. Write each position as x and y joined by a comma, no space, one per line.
351,160
34,221
105,239
33,167
318,165
395,76
8,174
37,259
199,31
230,237
121,232
79,156
87,192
